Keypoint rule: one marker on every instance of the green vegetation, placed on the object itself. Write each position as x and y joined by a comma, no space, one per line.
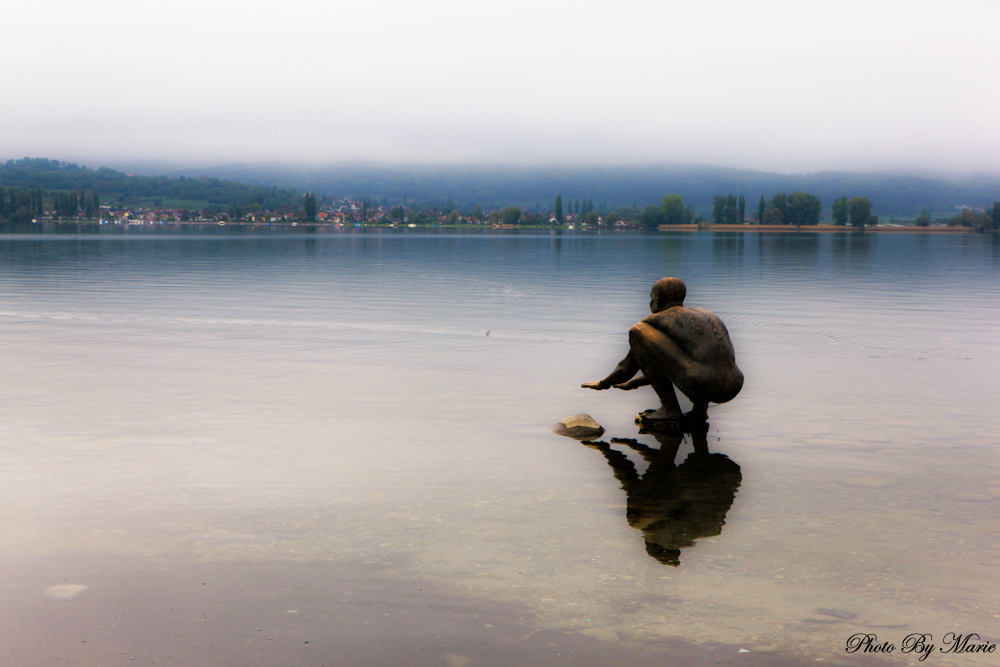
725,208
20,204
924,219
512,215
117,188
839,210
803,209
309,206
671,211
982,222
860,210
674,211
799,208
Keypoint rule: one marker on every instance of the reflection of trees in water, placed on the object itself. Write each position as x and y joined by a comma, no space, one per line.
728,248
789,249
673,505
853,249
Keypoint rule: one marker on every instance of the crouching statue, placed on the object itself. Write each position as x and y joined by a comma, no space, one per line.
687,348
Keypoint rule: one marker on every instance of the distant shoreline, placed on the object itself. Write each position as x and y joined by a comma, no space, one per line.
93,225
836,229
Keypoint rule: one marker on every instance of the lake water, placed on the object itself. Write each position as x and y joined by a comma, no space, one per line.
334,449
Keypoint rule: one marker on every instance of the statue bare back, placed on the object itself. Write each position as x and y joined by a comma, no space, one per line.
677,346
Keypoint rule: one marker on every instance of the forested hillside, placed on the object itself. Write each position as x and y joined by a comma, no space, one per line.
118,188
534,188
276,187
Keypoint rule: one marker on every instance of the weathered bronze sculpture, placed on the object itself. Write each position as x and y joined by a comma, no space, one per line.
676,346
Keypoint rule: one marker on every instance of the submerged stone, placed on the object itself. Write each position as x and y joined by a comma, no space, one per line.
603,633
581,427
65,591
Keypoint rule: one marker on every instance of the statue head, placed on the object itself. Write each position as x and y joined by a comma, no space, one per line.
667,292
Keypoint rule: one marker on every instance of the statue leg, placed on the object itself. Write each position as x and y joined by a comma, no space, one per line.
658,357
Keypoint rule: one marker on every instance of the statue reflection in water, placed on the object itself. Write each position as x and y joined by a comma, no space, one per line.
687,348
674,505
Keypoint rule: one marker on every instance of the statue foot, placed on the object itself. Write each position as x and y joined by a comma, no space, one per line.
662,413
659,421
699,413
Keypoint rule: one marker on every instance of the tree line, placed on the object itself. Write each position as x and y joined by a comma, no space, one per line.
798,208
795,209
985,221
24,204
20,204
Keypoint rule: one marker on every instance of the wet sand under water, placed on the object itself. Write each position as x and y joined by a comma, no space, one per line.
114,610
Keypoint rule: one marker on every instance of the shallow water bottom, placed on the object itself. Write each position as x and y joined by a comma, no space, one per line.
816,547
163,612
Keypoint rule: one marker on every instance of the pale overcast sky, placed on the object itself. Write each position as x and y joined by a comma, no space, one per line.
766,84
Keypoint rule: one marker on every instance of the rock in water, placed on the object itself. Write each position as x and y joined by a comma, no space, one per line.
581,427
65,591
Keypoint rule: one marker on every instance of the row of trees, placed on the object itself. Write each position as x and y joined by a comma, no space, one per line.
988,220
729,209
72,204
581,207
23,204
309,206
671,211
856,210
798,208
20,203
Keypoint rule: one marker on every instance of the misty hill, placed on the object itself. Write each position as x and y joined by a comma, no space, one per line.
278,186
117,187
535,188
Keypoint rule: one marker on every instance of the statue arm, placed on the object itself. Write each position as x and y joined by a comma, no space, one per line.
638,381
622,373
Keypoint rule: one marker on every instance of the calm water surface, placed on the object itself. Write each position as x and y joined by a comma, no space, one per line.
331,449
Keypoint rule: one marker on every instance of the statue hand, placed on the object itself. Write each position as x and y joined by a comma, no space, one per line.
624,385
593,385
